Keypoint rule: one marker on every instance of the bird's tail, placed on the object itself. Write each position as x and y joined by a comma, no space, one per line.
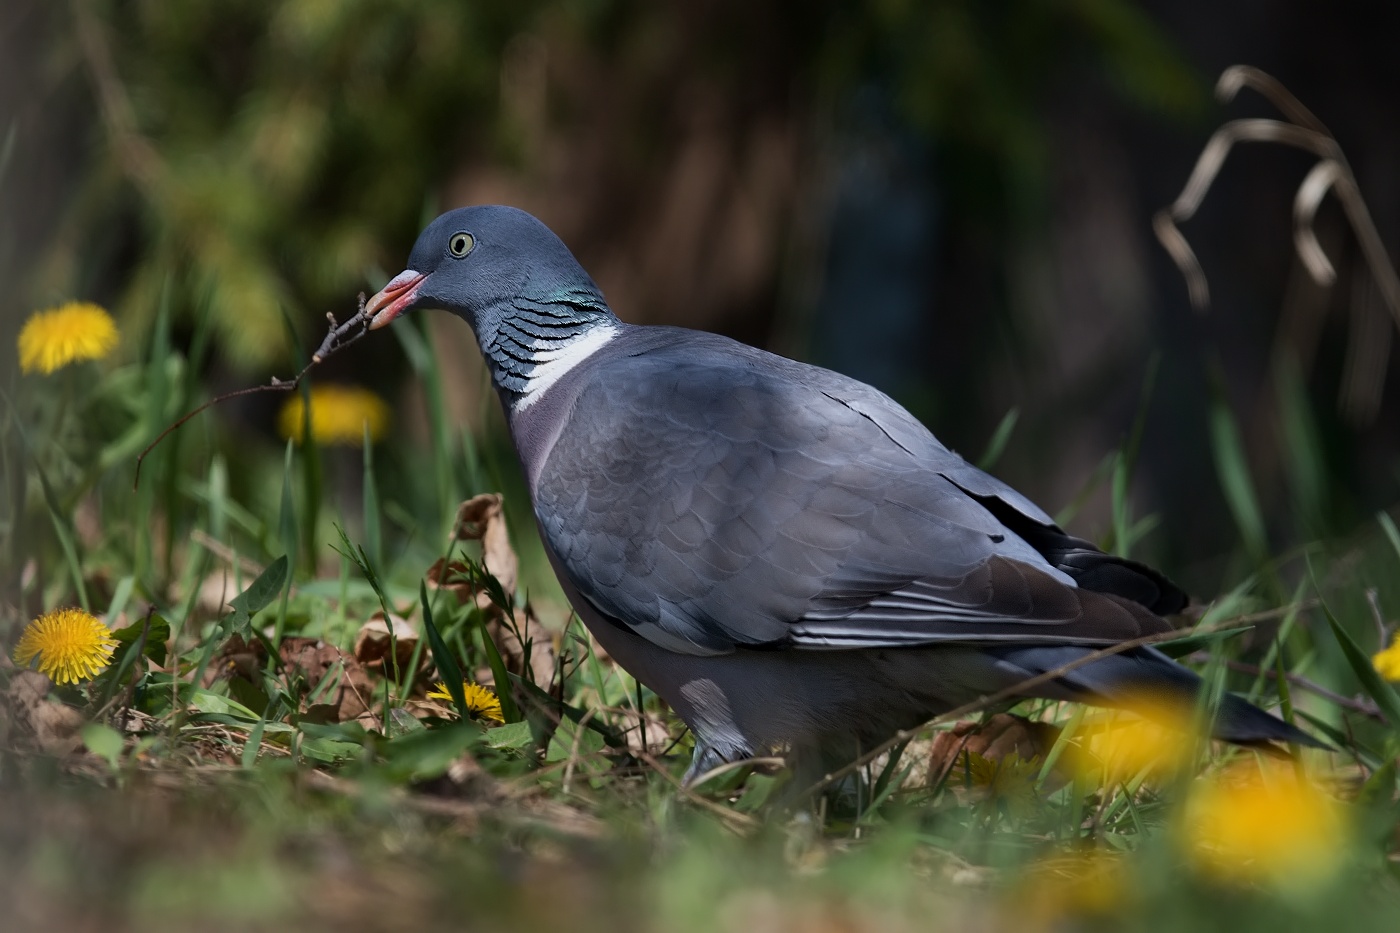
1146,674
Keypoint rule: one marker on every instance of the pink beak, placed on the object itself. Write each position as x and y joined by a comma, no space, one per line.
391,300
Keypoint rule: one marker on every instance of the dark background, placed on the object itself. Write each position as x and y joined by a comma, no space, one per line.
950,200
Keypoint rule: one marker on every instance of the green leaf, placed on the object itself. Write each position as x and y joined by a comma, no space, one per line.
586,745
104,742
250,747
427,753
207,702
1371,681
156,637
262,591
758,789
513,735
329,750
509,710
446,663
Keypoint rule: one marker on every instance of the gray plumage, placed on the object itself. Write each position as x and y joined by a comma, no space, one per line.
784,554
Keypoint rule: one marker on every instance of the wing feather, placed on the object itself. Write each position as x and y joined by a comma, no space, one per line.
711,497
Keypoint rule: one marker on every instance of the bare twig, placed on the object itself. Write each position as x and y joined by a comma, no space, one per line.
739,820
335,340
1303,683
1019,691
758,762
573,749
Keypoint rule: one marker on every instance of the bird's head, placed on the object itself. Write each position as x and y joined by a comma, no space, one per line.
480,262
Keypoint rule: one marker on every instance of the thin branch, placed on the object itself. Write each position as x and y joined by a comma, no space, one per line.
1303,683
1018,691
335,340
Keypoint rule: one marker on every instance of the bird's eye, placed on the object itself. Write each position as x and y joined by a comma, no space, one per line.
460,244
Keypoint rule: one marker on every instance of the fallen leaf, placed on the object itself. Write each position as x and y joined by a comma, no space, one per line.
527,647
353,690
1001,736
372,642
539,644
481,518
33,720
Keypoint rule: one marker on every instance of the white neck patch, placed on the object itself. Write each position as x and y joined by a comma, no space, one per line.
556,359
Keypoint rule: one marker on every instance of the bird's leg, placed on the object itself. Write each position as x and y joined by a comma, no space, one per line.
706,756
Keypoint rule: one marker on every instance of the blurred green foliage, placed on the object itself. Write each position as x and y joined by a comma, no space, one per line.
271,158
288,142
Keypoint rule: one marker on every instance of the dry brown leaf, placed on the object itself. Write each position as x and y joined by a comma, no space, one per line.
1001,736
374,638
481,518
542,649
526,646
350,697
453,577
353,691
32,720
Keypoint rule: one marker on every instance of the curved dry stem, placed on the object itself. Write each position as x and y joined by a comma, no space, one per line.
1319,181
1332,173
1235,77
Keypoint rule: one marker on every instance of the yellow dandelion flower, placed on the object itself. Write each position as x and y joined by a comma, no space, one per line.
482,703
1264,825
72,645
1387,662
52,339
1154,739
339,415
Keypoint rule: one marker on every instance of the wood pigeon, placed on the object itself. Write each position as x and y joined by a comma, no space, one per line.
784,554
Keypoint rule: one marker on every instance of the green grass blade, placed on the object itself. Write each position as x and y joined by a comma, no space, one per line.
1379,691
1391,532
446,663
374,542
287,529
418,349
1303,458
997,445
1232,470
499,673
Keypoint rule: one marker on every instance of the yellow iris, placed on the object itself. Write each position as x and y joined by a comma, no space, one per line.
54,338
1254,824
339,415
1387,662
71,645
481,702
